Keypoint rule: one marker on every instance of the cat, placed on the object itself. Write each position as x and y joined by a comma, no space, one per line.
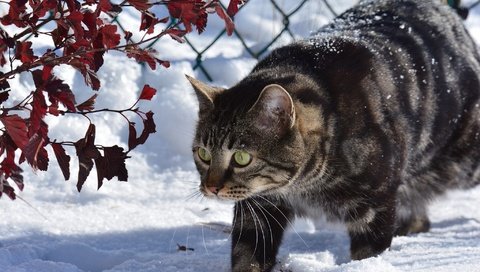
364,122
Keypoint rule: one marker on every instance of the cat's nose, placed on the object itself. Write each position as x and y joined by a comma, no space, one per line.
213,189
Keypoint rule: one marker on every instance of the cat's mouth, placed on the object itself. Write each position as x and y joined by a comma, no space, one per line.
237,193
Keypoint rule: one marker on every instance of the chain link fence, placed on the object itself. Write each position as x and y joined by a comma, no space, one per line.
285,18
328,8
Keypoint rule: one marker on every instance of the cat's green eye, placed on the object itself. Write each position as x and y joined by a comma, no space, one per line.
204,155
242,158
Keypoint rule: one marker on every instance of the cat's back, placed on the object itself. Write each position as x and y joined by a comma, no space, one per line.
403,72
376,24
388,29
418,77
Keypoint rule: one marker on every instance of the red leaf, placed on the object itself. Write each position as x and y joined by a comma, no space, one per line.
101,165
105,5
3,60
24,52
43,131
6,40
59,34
148,21
110,37
75,19
57,92
3,49
75,16
36,154
164,63
46,72
38,112
88,104
128,35
148,128
60,92
233,7
16,14
8,190
147,92
4,90
84,60
189,12
8,166
114,11
229,25
142,55
111,164
3,97
63,159
37,76
86,152
73,4
89,75
16,129
53,109
140,4
41,8
177,34
132,136
201,21
98,59
17,177
90,20
91,79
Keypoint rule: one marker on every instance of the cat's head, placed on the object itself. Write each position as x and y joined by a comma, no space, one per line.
246,142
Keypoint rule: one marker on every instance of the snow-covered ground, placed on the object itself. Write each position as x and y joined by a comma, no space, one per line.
138,226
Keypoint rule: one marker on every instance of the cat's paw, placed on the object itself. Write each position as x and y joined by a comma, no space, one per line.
414,225
364,252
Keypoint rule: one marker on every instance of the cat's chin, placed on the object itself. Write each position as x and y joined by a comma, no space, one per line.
228,198
231,199
224,197
239,193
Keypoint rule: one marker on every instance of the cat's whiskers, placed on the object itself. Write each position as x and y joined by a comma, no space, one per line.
256,229
233,224
256,203
256,218
266,210
286,218
241,224
194,194
204,242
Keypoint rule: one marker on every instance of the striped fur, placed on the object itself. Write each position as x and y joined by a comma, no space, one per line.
380,115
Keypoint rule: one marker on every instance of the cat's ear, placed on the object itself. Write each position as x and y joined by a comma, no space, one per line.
205,94
273,112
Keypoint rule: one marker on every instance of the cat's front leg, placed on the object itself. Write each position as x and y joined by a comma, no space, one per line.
372,231
258,227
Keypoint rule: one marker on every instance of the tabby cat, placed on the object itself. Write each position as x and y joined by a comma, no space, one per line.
365,122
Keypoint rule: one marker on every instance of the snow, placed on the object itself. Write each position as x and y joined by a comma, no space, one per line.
138,225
